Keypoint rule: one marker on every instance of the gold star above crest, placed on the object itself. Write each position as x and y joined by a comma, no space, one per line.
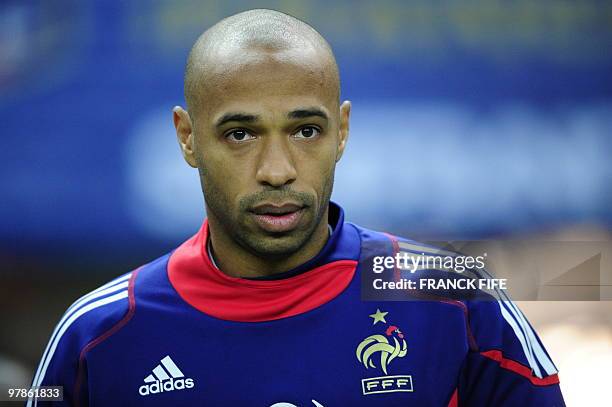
379,316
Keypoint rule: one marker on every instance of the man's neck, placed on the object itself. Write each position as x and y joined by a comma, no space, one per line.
233,260
211,254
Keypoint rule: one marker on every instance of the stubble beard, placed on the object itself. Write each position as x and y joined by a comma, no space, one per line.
236,223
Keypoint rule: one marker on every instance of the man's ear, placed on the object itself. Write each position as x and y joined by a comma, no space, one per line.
184,134
343,131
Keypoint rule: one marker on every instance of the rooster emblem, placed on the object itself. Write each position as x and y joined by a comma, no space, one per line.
391,345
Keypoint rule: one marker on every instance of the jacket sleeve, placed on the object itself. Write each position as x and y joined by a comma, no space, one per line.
59,363
507,365
87,322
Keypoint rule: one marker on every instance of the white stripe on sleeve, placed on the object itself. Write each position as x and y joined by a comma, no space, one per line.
100,292
78,313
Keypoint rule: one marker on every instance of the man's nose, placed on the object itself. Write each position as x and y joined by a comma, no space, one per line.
276,166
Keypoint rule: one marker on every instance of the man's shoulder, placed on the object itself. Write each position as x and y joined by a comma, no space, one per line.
437,259
430,267
95,312
107,306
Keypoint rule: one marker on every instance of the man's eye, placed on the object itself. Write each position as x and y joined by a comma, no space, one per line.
239,135
307,132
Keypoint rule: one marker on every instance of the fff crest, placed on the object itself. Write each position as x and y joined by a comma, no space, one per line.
378,351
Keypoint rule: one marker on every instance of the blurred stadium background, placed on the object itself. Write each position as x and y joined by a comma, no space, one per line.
477,119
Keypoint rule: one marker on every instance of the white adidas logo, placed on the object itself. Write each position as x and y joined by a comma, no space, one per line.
169,379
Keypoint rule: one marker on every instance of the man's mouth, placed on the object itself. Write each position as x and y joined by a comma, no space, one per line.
278,218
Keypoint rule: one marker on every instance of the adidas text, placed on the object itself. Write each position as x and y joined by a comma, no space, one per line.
168,385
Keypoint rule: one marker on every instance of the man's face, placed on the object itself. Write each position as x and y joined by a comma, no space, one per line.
266,139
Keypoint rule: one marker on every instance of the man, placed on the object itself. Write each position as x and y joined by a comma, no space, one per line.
262,306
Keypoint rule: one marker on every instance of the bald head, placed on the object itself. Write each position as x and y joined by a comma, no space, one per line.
264,127
251,37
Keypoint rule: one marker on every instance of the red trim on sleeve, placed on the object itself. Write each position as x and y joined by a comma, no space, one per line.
209,290
454,401
396,271
519,368
96,341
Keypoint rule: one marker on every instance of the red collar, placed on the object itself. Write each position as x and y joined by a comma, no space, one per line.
209,290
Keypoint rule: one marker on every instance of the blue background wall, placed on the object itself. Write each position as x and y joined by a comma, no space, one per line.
471,119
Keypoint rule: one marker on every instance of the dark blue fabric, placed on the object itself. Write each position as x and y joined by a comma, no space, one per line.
309,359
